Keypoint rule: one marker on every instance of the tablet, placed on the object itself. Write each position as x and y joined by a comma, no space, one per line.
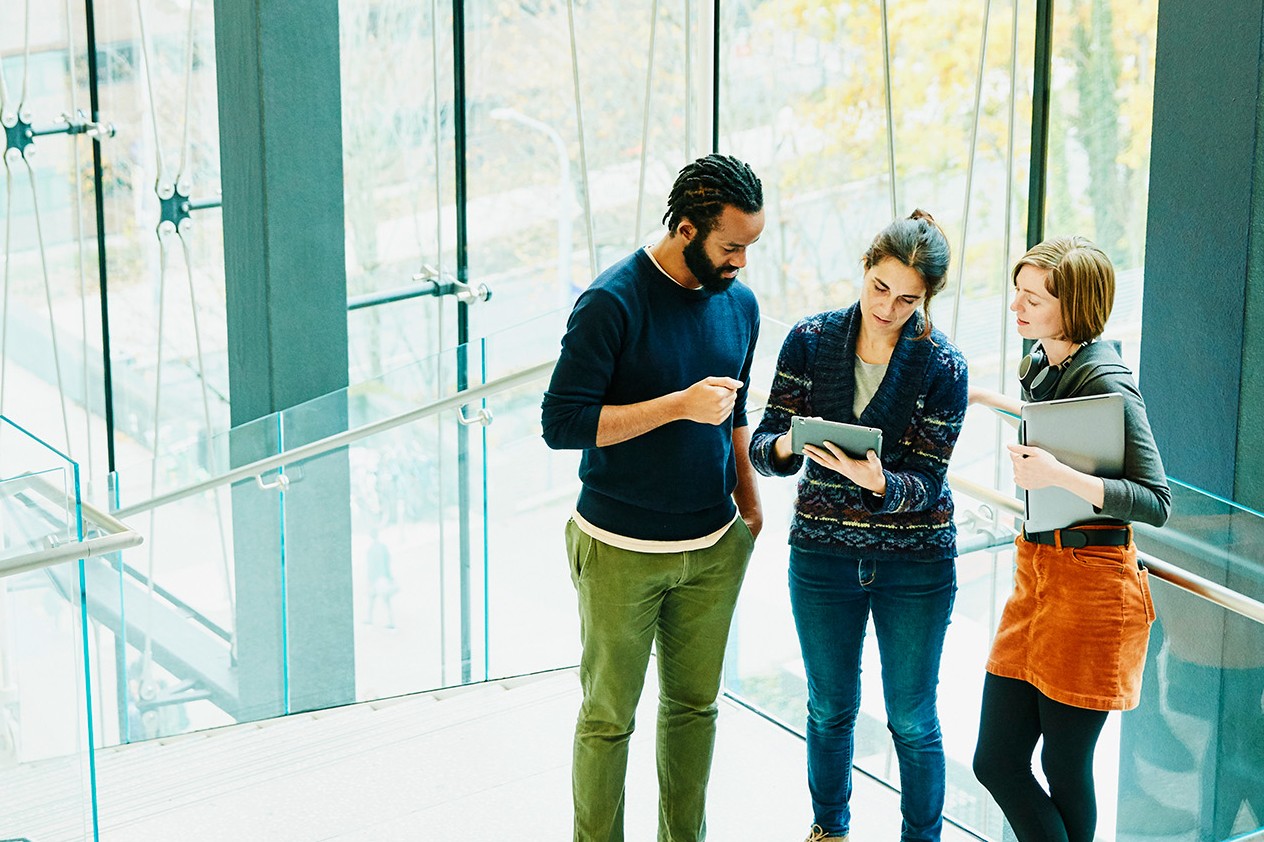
854,440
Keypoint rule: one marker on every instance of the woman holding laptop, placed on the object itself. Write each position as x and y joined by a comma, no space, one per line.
1072,640
873,533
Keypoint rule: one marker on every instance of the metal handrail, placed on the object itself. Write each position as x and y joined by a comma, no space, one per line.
320,447
1205,588
1211,591
118,536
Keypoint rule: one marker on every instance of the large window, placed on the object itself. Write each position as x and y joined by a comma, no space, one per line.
526,151
853,120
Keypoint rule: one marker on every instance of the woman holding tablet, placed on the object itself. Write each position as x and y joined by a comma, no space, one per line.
1072,640
875,534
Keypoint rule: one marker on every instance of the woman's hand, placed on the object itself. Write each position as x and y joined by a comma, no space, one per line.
994,399
1035,468
781,452
867,473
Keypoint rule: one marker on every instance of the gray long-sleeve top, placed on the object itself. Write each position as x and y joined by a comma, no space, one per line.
1142,494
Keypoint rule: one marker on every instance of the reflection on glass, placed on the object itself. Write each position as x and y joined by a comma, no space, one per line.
45,736
550,208
1099,141
398,168
1192,758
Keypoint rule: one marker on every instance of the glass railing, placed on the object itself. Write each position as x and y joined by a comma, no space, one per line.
46,761
422,548
243,604
388,564
1192,755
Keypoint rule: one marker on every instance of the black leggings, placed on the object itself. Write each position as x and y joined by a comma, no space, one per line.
1015,714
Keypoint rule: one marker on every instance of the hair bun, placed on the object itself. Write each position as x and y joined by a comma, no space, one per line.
919,214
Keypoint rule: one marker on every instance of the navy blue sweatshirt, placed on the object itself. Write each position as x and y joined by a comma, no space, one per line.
635,334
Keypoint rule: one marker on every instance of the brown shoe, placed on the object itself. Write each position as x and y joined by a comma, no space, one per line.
818,835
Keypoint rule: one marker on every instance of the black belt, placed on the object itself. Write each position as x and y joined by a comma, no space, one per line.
1119,536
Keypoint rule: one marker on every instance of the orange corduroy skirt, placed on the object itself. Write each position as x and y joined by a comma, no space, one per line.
1077,625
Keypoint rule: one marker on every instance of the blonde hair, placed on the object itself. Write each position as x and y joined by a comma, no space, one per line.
1081,278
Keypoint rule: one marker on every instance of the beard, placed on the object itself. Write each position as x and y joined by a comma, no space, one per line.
708,274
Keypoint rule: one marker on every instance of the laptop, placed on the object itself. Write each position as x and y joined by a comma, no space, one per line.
1085,433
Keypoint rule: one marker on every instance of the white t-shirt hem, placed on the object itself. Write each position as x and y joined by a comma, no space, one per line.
644,545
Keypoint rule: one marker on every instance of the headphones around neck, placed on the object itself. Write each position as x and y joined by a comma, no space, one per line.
1038,377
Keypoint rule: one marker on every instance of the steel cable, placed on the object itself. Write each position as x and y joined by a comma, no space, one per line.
974,143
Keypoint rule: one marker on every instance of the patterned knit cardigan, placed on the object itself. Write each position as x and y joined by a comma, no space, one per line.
919,407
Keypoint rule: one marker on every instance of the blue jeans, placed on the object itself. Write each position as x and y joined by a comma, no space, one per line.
911,602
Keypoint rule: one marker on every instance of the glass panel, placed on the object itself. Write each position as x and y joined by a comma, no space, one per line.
531,491
168,338
398,166
45,733
168,322
1192,755
41,502
49,323
344,580
412,589
404,558
167,612
1101,104
827,187
550,208
32,521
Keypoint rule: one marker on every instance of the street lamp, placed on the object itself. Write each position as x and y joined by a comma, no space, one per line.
566,199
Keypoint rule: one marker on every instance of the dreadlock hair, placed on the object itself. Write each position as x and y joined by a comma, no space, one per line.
919,243
705,187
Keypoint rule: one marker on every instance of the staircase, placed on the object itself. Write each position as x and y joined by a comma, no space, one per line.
486,761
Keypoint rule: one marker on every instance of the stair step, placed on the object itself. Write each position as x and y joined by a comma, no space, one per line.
136,781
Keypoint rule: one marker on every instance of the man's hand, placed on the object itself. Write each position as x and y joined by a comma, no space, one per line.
710,400
754,523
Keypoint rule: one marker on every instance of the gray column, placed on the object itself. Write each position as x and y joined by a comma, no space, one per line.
281,148
1204,294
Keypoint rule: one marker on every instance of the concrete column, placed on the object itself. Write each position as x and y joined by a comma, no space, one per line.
1204,290
281,147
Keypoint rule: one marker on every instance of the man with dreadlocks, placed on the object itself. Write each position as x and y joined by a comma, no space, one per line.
651,385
